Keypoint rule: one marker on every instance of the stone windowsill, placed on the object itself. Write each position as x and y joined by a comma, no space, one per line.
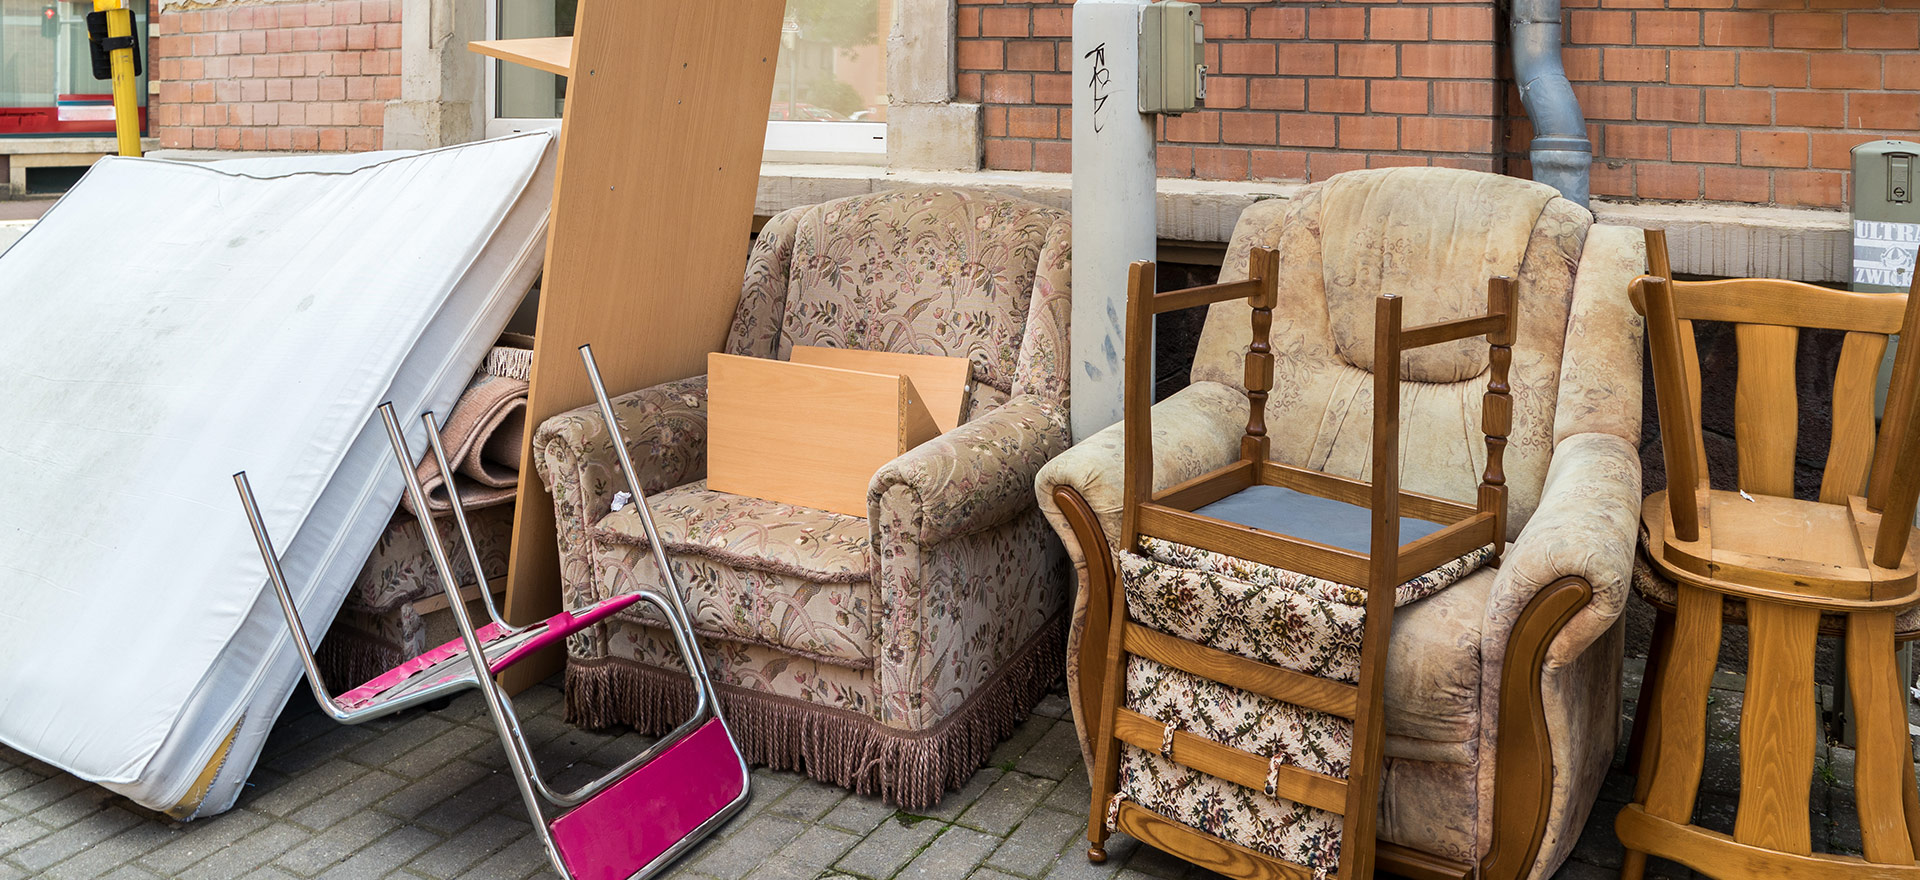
1703,239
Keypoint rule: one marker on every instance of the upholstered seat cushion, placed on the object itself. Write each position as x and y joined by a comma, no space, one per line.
1306,624
1284,511
1433,659
756,570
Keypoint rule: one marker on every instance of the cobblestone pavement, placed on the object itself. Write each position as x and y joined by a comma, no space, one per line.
423,797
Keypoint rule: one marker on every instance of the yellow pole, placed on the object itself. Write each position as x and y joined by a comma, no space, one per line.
126,103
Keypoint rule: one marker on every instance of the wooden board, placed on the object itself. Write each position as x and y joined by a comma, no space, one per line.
659,158
550,54
804,434
943,380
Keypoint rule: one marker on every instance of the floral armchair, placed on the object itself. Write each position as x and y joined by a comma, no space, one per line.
1502,691
886,654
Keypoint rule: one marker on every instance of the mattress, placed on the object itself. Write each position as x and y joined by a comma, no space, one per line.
171,323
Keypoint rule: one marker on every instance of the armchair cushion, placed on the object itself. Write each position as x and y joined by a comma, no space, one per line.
940,272
754,570
1314,626
1318,411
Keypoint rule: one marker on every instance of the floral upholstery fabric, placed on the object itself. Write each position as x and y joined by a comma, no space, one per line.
752,570
1573,478
902,618
1422,221
377,625
1270,614
1289,619
939,272
400,570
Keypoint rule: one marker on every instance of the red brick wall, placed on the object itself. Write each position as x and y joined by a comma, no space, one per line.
276,76
1754,101
1740,100
1294,90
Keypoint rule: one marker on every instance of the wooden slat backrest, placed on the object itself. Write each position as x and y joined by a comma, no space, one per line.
1767,315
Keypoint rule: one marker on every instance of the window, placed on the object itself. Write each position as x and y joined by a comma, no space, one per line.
829,93
46,73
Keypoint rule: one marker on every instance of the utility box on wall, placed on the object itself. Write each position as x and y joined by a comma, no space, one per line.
1173,64
1886,226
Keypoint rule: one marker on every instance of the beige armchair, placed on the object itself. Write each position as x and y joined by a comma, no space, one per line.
1503,691
886,653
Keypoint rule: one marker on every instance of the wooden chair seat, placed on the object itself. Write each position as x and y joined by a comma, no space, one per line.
1781,549
1663,594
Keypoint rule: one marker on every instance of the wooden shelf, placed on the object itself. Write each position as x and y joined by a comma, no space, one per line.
643,258
550,54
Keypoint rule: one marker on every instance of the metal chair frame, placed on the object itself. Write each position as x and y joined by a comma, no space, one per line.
479,655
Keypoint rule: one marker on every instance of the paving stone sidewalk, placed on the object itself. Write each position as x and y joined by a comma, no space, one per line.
424,796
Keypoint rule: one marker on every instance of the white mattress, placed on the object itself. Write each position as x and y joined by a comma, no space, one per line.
171,323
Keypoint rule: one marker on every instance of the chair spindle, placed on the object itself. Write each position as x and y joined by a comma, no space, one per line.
1496,408
1264,269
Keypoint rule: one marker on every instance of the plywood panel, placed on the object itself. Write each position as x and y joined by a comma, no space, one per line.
805,434
659,158
943,380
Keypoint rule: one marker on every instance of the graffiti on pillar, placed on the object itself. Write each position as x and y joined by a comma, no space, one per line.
1099,85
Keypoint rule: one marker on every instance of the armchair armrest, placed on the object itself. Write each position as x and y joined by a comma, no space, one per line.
666,431
1586,526
1196,430
1600,368
971,478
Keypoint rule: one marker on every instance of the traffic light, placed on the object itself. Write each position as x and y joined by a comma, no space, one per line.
50,21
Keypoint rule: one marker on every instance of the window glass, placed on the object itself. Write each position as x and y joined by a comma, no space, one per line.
522,92
46,73
832,65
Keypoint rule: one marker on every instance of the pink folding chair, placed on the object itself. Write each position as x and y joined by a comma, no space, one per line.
626,825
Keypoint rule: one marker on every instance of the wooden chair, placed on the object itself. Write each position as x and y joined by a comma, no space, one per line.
1378,565
1790,561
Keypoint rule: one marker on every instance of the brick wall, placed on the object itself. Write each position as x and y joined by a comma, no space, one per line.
1294,90
276,76
1753,101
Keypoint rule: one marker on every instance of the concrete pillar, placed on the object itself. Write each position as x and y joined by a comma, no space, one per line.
1113,201
441,83
925,128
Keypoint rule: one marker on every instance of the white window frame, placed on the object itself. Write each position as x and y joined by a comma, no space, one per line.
858,143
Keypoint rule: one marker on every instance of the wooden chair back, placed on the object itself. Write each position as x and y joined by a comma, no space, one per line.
1768,315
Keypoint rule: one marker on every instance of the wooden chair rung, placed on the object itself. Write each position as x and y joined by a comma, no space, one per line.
1450,331
1175,300
1223,856
1226,762
1209,487
1293,554
1325,485
1448,544
1265,679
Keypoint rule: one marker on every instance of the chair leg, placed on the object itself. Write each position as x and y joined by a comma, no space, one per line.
1634,866
1685,675
1879,701
1106,776
1639,747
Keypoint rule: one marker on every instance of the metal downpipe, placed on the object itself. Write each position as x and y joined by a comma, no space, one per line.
1561,154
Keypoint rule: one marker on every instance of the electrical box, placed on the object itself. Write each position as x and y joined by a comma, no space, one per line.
1886,226
1173,66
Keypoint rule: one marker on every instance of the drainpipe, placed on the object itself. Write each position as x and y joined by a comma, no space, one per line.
1561,153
